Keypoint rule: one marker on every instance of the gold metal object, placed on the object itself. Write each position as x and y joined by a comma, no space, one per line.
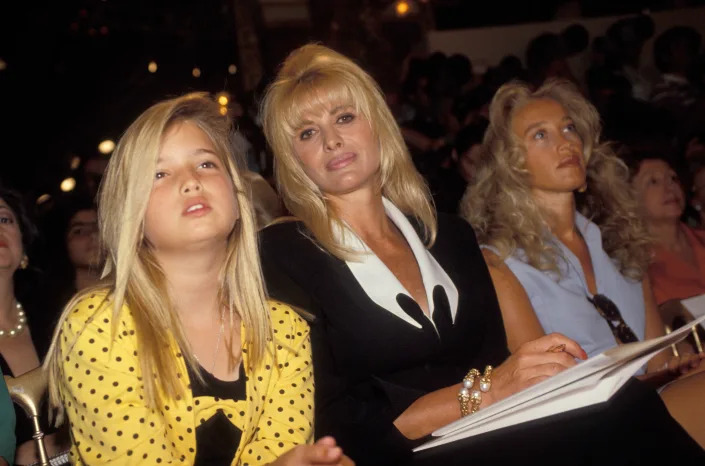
27,391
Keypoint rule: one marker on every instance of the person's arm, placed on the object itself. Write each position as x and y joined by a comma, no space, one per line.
103,395
664,361
653,327
531,363
520,321
287,419
521,325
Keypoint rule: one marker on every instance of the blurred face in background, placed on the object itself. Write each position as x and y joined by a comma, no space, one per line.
698,200
468,161
11,250
659,191
82,239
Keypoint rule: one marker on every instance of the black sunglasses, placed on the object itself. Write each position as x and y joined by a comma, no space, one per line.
610,312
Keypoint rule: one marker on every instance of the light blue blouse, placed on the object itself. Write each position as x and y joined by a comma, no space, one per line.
561,303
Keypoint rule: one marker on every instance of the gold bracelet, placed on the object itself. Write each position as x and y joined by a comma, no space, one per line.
485,385
464,396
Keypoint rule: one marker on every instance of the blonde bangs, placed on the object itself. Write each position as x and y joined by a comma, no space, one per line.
317,93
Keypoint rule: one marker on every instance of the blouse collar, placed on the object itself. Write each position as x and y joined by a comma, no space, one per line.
380,284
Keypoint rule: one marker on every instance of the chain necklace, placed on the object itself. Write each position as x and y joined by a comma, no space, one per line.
217,343
21,323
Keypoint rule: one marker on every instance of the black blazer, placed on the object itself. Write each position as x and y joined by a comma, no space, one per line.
369,364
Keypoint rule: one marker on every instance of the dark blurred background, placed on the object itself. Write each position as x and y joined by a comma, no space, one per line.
76,72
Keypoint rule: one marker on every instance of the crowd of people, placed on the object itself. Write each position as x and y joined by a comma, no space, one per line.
449,243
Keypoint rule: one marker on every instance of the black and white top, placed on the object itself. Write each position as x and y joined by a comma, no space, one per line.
382,286
375,351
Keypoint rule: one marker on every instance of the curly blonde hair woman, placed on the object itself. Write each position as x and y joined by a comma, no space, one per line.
552,205
505,215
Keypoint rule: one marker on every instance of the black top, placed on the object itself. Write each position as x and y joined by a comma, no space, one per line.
370,365
217,438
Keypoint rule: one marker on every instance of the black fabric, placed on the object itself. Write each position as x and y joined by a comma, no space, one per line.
369,365
217,438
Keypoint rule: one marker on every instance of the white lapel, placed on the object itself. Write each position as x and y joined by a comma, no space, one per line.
380,284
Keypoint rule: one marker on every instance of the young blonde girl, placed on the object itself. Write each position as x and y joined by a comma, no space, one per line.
179,357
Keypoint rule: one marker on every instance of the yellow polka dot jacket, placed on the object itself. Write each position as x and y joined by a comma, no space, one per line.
100,387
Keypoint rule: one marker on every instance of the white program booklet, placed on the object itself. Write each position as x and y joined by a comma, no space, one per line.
590,382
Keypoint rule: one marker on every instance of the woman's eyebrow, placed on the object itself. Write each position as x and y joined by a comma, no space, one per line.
533,126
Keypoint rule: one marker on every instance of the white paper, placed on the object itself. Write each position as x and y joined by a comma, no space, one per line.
590,382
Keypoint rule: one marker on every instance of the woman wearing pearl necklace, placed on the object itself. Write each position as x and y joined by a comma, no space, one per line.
21,348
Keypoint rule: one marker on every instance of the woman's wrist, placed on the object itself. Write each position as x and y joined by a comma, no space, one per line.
473,389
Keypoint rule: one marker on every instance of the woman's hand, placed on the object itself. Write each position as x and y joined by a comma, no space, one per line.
533,362
323,452
685,363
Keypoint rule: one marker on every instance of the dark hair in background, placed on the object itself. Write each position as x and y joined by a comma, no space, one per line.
663,46
633,157
542,51
25,280
55,227
469,136
15,202
575,39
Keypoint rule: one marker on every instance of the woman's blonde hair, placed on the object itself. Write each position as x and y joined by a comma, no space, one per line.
132,272
499,204
312,78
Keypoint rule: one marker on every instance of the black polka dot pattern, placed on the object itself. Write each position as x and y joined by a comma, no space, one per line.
102,391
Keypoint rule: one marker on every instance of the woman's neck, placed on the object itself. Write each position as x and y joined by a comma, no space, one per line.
668,234
85,278
364,212
7,301
558,212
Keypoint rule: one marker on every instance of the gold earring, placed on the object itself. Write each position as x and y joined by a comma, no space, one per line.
583,188
25,262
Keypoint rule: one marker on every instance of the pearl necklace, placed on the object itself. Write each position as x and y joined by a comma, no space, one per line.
21,321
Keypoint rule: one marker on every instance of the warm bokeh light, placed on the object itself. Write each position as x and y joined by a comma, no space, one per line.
232,69
68,184
152,67
43,198
402,7
75,162
3,64
223,111
196,72
223,99
106,147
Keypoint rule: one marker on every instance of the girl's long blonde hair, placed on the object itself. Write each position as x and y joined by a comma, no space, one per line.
499,204
132,274
312,77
